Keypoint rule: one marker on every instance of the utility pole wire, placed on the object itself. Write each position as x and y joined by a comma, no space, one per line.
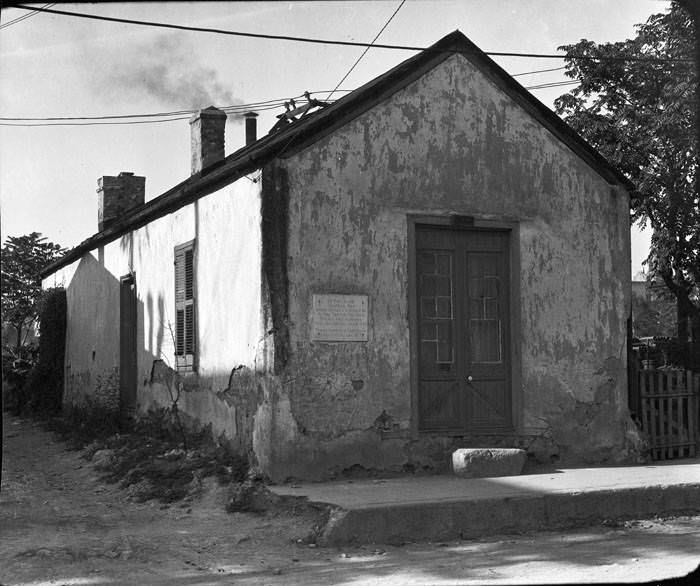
552,84
98,120
249,106
100,123
278,102
334,42
538,71
24,17
386,24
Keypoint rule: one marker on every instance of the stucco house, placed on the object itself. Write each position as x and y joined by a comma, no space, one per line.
433,261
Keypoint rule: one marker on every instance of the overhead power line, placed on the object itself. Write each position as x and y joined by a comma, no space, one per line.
156,117
120,119
551,84
334,42
278,102
538,71
24,17
275,103
101,123
295,134
386,24
110,117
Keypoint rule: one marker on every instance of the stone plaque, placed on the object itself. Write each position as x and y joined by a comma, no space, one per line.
339,318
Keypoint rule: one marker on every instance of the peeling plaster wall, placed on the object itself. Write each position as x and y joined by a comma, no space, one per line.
450,142
226,226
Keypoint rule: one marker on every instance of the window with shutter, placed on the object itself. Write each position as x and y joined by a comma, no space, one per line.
185,320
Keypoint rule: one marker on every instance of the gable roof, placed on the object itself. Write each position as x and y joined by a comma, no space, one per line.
313,127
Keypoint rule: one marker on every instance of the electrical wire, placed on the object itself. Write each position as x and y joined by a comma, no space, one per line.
261,105
337,42
551,84
116,116
121,119
298,130
232,109
538,71
386,24
101,123
24,16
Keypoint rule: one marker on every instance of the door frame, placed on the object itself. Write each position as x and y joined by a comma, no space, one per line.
468,223
126,410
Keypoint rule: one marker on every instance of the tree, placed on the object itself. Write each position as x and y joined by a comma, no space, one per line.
641,115
22,259
652,316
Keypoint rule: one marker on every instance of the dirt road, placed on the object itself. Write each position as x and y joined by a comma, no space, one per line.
60,524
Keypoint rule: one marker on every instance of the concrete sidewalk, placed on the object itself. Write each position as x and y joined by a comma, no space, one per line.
436,508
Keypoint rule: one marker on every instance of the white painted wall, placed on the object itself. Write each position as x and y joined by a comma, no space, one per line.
226,226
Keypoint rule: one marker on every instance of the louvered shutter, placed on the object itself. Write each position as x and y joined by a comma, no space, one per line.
185,322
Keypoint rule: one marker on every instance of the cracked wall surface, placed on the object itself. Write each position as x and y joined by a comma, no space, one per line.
453,143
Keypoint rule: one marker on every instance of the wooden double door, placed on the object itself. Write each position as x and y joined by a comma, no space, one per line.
463,330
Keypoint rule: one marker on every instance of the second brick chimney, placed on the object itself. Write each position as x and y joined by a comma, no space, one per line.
207,129
117,196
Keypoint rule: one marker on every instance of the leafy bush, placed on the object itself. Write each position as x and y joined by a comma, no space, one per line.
84,424
670,352
147,457
682,354
43,388
15,369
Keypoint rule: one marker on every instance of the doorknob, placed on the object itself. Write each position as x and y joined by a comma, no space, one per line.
469,378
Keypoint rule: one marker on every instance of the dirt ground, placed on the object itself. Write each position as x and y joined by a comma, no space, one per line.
61,524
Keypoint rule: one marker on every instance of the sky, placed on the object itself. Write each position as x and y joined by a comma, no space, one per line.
62,66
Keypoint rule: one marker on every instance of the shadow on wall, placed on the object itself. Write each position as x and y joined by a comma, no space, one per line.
117,359
92,336
109,352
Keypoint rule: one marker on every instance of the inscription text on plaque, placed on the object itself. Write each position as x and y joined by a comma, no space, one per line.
339,318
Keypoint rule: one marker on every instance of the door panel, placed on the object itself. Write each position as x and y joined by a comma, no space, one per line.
462,294
440,404
487,403
437,323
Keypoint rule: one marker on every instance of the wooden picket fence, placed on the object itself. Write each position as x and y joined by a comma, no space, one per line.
669,406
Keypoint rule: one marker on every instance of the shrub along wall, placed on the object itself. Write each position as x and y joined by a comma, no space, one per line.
44,385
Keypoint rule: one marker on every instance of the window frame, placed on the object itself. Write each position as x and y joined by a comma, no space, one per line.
185,361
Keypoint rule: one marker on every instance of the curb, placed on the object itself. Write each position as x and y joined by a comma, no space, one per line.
468,519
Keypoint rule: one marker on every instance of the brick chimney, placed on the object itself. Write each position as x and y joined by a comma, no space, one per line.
207,131
251,127
118,195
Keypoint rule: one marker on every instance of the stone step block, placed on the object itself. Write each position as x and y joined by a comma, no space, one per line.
488,462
